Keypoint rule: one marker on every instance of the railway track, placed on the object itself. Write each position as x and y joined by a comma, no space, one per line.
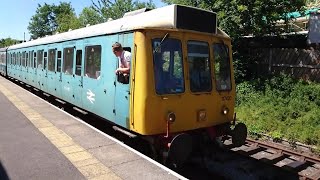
302,164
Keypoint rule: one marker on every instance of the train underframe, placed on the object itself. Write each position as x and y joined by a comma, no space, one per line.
175,148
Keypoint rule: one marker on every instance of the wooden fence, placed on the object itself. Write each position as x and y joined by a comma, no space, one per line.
298,62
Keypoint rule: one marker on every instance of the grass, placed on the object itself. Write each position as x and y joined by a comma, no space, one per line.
281,107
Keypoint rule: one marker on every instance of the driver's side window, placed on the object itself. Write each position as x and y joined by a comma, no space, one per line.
124,78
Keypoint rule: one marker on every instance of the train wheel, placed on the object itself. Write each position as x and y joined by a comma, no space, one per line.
239,134
179,150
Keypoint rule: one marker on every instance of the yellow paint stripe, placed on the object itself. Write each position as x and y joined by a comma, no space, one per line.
85,162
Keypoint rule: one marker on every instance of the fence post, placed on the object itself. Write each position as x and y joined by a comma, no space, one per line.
270,61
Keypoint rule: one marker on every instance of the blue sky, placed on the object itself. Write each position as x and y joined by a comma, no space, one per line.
15,15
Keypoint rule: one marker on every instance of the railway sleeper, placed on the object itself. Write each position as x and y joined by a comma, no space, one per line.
315,175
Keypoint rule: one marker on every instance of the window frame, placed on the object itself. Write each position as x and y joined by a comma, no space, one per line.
170,70
209,90
229,63
50,68
86,61
64,65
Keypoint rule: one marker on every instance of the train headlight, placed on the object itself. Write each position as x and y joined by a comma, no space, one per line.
202,115
225,110
171,117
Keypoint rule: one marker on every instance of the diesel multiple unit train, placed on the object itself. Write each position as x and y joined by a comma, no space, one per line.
181,88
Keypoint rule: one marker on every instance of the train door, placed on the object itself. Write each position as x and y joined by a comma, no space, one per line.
19,69
67,73
58,73
44,79
27,66
51,81
122,91
23,66
39,69
78,75
34,71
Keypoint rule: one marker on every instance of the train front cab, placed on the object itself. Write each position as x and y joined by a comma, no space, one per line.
183,84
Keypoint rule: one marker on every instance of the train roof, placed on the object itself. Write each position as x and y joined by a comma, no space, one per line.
3,49
168,17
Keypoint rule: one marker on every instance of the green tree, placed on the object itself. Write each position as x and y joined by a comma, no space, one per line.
45,21
67,21
89,16
245,17
7,42
117,8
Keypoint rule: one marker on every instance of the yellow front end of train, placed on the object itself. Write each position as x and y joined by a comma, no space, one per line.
181,81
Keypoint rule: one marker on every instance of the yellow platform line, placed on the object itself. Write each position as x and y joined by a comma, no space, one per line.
85,162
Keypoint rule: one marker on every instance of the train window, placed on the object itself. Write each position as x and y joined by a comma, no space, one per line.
24,59
168,66
45,59
93,61
34,59
27,58
59,62
14,59
30,58
222,67
78,62
19,58
52,59
40,58
199,66
68,54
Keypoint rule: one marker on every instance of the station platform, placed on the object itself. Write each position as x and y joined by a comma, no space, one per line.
39,141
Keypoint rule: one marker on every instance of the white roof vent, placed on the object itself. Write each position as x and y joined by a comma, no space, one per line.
139,11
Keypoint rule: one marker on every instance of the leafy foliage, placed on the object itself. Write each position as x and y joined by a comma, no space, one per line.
67,21
117,8
281,107
241,18
7,42
89,16
48,18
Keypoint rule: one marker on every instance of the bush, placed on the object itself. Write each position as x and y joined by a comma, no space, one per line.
281,107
